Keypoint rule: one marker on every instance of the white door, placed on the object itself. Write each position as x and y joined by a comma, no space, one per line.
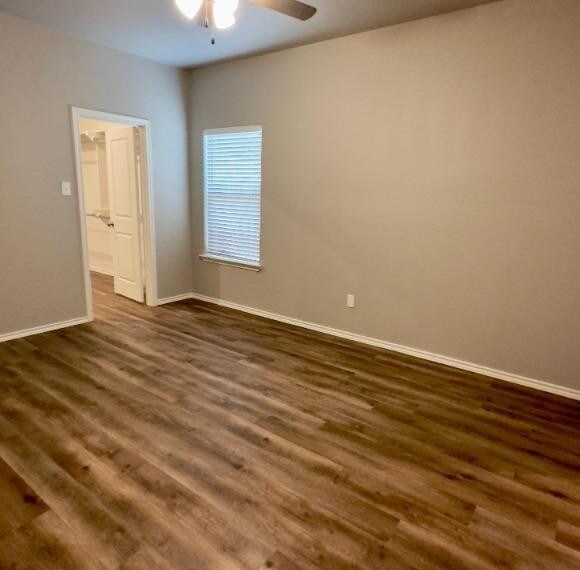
125,213
99,236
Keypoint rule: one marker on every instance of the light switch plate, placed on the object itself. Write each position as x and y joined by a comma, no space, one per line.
66,189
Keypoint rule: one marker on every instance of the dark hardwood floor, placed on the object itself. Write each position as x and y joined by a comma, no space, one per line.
191,437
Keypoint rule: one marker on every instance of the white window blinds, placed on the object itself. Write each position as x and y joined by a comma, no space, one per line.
233,181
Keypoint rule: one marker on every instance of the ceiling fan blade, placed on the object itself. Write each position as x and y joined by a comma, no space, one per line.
292,8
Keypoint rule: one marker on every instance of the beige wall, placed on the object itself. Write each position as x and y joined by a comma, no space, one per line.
433,169
43,74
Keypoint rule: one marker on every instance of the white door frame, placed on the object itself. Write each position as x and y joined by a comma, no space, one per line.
77,114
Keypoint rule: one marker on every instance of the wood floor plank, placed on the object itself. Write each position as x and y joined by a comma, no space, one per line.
19,503
539,552
104,476
68,499
256,493
47,543
568,535
194,436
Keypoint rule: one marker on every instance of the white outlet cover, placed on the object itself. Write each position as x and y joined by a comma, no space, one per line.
66,188
350,301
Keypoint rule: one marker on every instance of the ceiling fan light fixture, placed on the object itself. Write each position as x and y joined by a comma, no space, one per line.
189,8
223,19
223,13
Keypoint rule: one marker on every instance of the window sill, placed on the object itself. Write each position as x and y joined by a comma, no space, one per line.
230,263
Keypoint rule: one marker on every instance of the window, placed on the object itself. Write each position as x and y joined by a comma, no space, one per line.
233,181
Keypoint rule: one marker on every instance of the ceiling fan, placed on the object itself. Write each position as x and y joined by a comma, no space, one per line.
221,13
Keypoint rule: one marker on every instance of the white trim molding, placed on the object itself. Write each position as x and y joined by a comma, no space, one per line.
230,262
422,354
101,271
78,113
43,329
175,299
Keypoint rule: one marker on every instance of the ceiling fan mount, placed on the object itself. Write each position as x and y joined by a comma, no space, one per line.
221,13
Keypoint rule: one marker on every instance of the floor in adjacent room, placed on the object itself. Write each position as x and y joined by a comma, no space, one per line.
190,436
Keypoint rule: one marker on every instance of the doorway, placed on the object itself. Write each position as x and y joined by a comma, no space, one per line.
113,161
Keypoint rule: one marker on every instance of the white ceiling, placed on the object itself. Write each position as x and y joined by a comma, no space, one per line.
154,29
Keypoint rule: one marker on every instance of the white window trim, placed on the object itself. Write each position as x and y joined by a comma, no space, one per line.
230,262
208,257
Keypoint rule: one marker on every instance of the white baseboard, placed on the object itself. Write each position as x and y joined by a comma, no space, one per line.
438,358
43,329
102,271
167,300
432,357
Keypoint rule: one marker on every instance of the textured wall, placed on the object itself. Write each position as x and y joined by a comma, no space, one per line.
43,74
433,169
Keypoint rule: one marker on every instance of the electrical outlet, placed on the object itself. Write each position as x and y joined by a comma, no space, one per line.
350,301
66,189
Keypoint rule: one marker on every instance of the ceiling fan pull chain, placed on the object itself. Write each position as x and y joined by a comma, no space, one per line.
206,17
207,21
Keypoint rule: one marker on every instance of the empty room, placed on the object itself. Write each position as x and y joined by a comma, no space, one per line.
290,284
